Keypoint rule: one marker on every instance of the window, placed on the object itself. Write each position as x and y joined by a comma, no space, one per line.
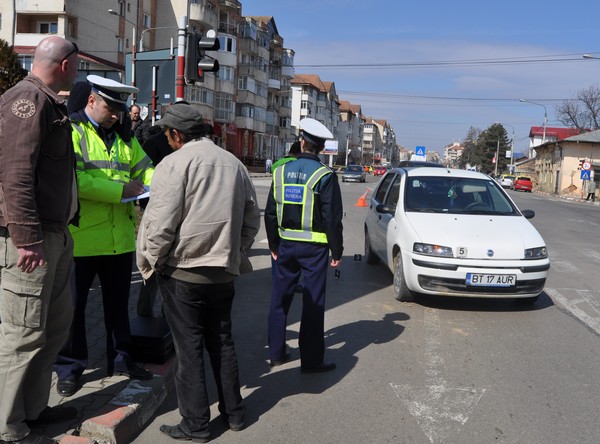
226,73
120,44
227,44
199,94
47,27
147,22
285,122
26,61
223,107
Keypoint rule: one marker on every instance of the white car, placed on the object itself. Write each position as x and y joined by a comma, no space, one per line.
453,233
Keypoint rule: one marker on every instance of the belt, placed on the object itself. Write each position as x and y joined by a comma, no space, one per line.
4,232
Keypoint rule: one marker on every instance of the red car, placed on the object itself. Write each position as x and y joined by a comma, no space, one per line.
379,170
521,183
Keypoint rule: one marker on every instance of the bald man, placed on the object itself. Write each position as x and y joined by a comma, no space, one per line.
39,199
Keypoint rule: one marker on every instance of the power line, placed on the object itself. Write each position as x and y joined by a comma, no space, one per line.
558,58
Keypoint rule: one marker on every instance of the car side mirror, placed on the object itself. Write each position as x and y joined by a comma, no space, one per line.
528,214
385,209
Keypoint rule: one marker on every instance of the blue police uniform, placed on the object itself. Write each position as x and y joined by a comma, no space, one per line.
303,220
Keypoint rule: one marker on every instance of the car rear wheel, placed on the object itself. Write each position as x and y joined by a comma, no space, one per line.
370,257
401,291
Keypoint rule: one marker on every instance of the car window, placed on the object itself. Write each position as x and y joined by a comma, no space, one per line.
354,168
457,196
383,187
394,193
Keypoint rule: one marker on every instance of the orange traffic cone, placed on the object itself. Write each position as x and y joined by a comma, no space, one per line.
362,200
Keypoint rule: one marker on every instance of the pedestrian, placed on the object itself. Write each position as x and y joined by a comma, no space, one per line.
39,199
303,220
268,164
195,238
109,171
591,190
136,120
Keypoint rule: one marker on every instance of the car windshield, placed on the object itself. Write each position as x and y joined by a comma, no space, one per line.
354,169
456,196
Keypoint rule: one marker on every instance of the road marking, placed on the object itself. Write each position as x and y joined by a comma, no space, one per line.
583,304
438,409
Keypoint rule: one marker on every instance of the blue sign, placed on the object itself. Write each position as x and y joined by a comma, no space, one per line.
420,151
585,175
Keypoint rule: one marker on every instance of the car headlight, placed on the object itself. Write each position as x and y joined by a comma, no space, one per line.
432,250
536,253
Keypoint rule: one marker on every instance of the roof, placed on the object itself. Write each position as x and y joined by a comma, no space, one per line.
591,137
309,79
558,133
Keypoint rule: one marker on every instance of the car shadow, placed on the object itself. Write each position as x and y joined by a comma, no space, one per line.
483,304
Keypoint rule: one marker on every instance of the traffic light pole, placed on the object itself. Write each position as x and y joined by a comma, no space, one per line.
180,80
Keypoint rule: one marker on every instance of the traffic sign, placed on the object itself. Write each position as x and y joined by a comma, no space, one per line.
585,175
587,165
420,151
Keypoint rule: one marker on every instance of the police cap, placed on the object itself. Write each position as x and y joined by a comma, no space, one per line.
114,93
314,131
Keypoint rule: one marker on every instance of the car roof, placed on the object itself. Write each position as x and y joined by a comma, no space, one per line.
441,172
420,163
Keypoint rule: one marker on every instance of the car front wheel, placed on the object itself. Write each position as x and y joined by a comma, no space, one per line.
401,291
370,256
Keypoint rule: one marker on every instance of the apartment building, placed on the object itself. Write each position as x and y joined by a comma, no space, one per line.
350,133
453,153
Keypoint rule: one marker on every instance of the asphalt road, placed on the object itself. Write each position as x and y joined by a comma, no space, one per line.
437,370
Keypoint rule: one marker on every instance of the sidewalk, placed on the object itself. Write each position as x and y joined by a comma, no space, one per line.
110,409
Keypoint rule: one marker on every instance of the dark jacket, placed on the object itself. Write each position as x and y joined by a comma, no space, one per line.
37,162
328,208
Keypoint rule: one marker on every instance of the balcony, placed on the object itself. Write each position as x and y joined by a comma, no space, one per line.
274,84
41,7
204,14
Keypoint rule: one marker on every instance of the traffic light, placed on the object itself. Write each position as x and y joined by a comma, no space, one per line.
196,61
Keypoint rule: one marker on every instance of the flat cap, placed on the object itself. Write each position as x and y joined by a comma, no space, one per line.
115,93
314,131
185,118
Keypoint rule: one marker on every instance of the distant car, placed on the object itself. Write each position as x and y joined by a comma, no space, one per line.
354,173
506,180
453,233
521,183
420,163
379,170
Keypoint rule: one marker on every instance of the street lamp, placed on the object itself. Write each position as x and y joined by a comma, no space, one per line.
545,117
589,56
152,29
133,53
512,147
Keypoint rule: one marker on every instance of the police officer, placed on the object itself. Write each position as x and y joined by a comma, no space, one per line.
303,219
109,171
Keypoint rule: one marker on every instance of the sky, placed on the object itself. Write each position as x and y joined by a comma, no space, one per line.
435,68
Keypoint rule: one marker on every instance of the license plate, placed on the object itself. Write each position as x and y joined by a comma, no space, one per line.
491,280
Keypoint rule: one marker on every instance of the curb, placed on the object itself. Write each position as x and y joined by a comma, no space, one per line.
125,416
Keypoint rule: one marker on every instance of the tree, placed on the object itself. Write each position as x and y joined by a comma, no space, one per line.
11,71
469,145
582,113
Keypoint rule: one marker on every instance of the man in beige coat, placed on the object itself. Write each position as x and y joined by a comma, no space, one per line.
201,220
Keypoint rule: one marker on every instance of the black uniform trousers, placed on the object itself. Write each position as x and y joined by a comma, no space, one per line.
114,273
310,260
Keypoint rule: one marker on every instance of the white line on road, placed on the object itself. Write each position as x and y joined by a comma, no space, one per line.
582,304
438,409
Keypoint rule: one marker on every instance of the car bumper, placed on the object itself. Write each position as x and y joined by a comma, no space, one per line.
352,179
448,278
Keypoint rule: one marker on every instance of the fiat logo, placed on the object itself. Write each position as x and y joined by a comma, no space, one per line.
490,253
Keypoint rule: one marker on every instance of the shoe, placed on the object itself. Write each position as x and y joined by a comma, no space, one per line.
235,425
134,371
285,358
322,367
68,386
32,438
53,414
175,432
